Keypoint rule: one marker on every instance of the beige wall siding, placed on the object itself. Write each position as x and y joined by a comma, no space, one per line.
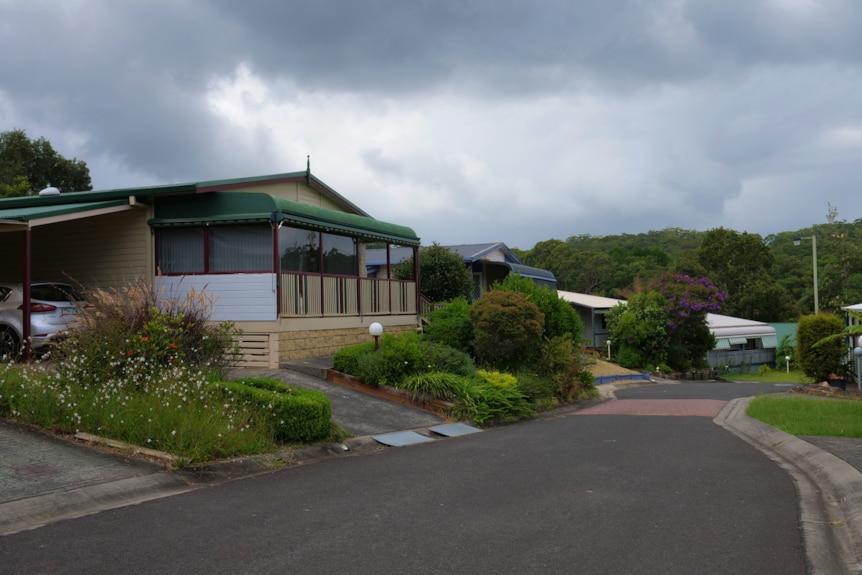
296,191
106,251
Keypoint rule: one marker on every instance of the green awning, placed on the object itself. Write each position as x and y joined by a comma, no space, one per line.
738,340
722,343
218,208
769,341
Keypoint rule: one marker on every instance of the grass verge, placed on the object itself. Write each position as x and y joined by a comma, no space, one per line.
772,376
809,416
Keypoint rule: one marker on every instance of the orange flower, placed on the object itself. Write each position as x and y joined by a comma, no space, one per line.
145,338
130,352
173,345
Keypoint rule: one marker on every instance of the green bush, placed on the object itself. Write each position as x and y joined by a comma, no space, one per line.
639,331
630,358
498,379
346,359
400,356
537,389
450,325
131,333
818,361
425,387
561,362
560,317
507,330
442,273
440,357
483,403
293,413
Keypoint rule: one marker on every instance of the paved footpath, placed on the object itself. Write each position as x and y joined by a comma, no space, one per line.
44,477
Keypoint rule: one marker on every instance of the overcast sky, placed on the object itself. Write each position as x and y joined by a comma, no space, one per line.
468,120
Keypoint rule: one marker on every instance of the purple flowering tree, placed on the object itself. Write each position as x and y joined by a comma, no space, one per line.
689,301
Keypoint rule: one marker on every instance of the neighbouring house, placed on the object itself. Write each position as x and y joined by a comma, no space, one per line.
739,342
488,263
592,310
283,256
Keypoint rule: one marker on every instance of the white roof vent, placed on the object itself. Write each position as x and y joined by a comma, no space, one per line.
50,191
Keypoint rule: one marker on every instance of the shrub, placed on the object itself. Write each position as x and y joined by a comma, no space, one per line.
451,325
177,411
400,356
292,413
507,330
818,361
537,389
561,361
442,273
484,403
346,359
560,317
425,387
639,331
763,369
130,333
497,379
440,357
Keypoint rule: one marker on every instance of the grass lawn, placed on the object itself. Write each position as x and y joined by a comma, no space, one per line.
772,376
809,415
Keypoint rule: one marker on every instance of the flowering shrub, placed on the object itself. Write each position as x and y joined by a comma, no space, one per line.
131,333
139,369
174,410
689,301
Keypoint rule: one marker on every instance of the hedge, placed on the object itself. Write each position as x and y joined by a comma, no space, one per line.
293,413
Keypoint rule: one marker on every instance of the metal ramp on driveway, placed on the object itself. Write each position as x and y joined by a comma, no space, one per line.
402,438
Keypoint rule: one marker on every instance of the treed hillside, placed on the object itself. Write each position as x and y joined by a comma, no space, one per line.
766,279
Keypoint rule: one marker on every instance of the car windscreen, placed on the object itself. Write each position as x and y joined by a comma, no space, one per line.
53,292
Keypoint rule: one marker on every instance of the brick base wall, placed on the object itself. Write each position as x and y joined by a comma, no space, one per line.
294,345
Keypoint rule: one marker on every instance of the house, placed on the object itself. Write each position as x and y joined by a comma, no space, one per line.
488,263
282,255
592,310
738,341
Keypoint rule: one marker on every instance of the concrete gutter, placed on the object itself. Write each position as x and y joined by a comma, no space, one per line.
830,491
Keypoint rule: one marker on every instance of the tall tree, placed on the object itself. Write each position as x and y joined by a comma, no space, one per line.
27,166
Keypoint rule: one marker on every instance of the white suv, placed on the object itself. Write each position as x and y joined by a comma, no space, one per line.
53,306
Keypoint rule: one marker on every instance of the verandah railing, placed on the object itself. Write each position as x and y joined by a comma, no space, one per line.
316,295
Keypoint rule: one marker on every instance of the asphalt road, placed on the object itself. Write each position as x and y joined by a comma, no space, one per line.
599,494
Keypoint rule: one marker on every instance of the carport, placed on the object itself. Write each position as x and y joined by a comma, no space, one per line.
25,218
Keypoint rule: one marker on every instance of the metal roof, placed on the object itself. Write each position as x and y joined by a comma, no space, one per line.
590,301
30,216
237,207
473,252
168,189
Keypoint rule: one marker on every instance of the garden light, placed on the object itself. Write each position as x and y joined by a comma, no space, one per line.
376,330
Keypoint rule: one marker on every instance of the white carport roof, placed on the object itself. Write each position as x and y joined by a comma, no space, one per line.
595,302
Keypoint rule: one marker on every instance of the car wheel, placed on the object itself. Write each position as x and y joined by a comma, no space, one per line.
10,347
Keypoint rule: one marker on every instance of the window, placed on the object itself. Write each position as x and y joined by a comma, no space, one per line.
240,249
339,255
218,249
299,250
180,250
